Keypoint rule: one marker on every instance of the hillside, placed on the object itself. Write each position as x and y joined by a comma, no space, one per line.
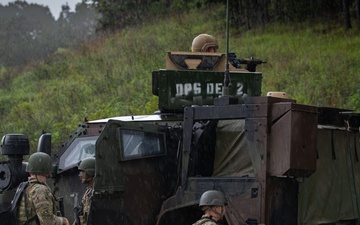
111,76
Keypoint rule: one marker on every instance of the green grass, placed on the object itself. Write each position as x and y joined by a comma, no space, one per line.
312,67
111,76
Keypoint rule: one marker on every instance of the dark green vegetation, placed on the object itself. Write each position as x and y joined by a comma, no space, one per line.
30,32
315,64
119,14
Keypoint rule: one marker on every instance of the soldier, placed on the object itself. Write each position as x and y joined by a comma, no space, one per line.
213,204
87,173
40,205
204,43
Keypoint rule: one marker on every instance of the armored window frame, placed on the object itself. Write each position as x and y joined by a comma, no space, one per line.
74,153
137,144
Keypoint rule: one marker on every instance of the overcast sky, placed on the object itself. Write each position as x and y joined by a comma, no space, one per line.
54,5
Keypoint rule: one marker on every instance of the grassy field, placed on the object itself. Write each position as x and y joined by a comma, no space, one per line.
315,64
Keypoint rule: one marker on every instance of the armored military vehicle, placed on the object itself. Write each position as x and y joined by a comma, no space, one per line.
278,162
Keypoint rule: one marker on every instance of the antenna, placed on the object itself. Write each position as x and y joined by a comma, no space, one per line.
226,75
225,98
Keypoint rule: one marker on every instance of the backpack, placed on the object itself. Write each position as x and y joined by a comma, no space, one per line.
10,216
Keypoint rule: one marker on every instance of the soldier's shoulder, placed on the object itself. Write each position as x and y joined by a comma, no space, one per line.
209,223
205,222
38,188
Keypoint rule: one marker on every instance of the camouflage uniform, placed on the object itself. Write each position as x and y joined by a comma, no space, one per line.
205,221
86,206
39,201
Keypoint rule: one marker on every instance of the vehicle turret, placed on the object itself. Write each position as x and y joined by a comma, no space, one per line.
197,78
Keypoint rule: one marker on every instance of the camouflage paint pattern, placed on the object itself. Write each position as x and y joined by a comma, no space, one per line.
39,201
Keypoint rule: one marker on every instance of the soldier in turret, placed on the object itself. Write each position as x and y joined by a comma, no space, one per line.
204,43
39,206
213,204
87,173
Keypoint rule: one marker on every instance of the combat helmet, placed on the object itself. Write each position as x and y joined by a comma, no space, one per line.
39,163
88,165
203,42
212,197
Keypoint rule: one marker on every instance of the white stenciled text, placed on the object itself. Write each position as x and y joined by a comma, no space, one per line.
185,89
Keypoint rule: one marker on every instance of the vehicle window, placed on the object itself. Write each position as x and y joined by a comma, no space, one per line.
80,148
140,144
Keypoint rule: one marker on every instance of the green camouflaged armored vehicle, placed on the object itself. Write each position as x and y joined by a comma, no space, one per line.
278,162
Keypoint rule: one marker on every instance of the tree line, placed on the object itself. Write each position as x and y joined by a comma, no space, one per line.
29,32
246,14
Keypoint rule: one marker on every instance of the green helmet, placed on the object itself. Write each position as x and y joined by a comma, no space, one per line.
39,163
88,165
212,197
203,42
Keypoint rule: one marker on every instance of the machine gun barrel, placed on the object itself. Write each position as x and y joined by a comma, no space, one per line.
251,63
251,60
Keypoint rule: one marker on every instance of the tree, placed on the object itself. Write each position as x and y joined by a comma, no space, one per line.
77,26
357,5
24,33
29,32
346,14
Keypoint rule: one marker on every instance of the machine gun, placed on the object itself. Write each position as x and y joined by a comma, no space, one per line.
250,63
